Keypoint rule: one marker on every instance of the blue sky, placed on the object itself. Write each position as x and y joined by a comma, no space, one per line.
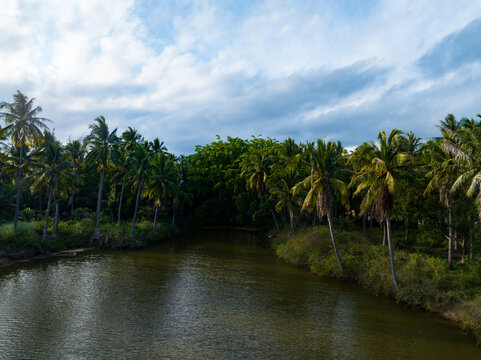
185,71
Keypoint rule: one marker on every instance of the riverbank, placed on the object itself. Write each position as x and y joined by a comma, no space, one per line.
25,243
426,282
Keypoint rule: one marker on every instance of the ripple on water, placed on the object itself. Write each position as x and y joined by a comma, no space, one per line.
212,296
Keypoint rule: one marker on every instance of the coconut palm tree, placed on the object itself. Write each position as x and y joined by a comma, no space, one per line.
161,181
24,125
140,165
443,171
380,180
75,153
102,143
464,145
52,174
254,169
327,165
282,190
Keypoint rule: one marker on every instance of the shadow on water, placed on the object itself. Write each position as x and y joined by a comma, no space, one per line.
209,295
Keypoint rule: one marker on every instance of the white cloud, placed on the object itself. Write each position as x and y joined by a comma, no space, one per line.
211,71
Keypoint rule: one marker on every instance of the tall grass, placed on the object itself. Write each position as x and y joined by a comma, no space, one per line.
78,233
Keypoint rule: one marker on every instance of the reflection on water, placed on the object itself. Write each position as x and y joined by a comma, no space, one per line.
213,295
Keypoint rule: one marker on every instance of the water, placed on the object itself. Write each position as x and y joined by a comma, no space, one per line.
211,295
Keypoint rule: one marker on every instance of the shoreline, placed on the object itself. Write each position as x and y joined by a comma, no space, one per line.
368,267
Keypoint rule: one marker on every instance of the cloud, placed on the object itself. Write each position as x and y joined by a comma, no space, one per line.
453,51
185,71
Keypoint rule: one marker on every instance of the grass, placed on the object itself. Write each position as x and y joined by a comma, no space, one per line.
425,280
78,233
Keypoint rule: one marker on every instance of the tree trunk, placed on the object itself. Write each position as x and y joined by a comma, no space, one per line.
455,240
463,249
274,217
406,225
44,236
364,224
99,197
334,245
40,199
137,200
451,236
120,200
19,189
57,213
470,246
115,200
384,233
293,224
71,203
371,219
155,217
173,219
391,250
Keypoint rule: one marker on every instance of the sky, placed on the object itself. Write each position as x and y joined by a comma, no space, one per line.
186,71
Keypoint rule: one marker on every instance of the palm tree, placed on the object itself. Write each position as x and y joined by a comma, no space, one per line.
130,139
177,192
140,164
442,174
464,145
254,170
327,167
157,146
102,144
52,175
380,179
285,196
24,125
75,152
160,182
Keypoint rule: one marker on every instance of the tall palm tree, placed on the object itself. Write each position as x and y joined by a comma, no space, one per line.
161,181
380,179
75,152
464,145
140,165
52,175
129,140
327,167
24,125
254,170
443,171
285,196
102,144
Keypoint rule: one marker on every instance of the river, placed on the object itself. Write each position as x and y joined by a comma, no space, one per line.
207,295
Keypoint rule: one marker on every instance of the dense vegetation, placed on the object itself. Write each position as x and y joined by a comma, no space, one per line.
421,196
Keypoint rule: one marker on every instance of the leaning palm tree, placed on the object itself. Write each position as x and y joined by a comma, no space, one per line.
379,181
327,167
102,144
24,125
52,174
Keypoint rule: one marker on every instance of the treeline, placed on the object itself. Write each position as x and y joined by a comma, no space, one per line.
428,188
119,176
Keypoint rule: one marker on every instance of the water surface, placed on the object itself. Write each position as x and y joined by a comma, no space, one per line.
209,295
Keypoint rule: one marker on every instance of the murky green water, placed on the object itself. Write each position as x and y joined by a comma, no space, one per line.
209,296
